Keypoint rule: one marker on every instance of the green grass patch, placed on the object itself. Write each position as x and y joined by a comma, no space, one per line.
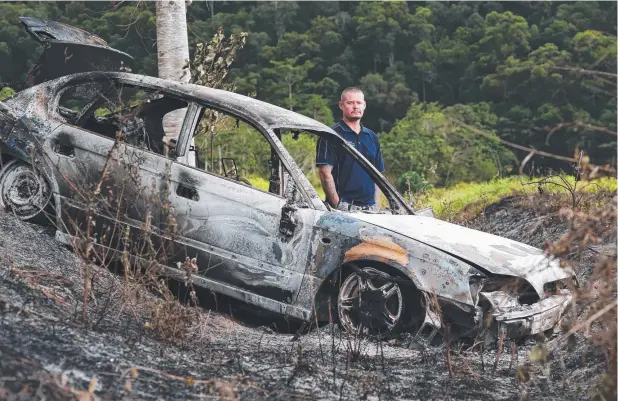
258,182
471,198
262,183
6,93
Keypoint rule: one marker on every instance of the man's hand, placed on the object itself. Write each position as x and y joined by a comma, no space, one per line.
328,184
378,196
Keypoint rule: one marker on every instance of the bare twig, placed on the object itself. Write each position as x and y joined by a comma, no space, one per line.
523,163
585,72
499,353
579,124
605,168
591,319
447,350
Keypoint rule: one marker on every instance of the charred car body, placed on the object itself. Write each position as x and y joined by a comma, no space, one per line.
284,249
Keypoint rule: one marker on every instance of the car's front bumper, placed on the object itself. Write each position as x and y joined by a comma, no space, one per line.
517,320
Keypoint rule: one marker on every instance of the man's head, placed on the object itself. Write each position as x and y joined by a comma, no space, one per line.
352,104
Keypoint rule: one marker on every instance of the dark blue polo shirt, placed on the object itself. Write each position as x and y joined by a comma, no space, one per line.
352,182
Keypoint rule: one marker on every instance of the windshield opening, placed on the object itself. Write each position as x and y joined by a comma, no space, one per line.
352,175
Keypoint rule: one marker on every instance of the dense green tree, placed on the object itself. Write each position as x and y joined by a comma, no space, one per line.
286,78
428,142
532,65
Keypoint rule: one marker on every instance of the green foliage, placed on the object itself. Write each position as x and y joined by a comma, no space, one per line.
287,77
316,107
244,144
520,61
474,197
413,182
430,144
6,93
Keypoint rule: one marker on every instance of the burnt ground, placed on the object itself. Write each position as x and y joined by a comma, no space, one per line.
45,352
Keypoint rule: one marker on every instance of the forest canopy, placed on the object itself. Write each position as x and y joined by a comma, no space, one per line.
515,70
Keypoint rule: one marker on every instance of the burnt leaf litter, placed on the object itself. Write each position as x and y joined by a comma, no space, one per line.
241,353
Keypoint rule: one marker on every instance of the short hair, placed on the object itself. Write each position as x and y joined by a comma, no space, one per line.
350,89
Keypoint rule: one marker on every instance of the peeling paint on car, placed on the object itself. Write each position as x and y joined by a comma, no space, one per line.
380,248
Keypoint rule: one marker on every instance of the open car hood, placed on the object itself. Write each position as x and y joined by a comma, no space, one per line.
70,50
491,253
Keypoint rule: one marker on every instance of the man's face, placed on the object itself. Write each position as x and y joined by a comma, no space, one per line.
353,106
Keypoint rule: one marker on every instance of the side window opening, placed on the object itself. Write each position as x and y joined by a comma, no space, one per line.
75,100
137,113
231,148
302,146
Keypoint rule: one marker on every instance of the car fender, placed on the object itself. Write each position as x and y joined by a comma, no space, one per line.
342,239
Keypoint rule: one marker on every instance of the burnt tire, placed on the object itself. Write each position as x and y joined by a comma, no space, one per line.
370,301
23,192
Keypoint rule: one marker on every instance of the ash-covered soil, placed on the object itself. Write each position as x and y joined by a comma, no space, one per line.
45,352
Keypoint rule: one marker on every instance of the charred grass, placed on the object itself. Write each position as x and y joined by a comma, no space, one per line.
584,239
170,349
82,325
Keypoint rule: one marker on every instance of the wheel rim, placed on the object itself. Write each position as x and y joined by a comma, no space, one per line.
370,302
22,191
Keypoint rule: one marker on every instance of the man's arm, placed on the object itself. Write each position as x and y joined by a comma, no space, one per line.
378,196
328,184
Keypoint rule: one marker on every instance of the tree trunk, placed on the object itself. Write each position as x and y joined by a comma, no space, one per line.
172,56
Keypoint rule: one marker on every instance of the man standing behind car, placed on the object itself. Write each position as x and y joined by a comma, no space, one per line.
346,185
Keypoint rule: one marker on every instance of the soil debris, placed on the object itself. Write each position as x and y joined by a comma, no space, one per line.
46,353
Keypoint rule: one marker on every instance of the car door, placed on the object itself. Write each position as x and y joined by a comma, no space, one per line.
111,191
114,187
243,238
247,240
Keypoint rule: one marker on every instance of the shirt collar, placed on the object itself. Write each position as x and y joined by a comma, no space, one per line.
347,128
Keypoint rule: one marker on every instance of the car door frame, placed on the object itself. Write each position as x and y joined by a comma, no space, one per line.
58,160
304,217
187,130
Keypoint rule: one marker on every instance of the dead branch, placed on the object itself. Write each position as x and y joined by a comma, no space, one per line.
599,90
579,124
523,163
584,72
591,319
605,168
607,81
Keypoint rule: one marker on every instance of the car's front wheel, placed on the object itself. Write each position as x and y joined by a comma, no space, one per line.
370,301
23,192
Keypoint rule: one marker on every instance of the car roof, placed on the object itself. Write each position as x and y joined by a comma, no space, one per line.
265,113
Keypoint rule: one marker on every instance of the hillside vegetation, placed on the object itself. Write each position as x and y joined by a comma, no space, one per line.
515,70
465,200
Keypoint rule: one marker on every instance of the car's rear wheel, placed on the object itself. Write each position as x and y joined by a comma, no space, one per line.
23,192
370,301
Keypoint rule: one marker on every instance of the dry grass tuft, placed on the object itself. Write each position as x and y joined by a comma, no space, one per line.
596,298
592,324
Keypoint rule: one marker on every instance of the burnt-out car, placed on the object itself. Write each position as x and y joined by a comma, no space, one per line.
92,147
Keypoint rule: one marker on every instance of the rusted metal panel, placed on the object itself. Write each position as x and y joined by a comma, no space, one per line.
380,248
